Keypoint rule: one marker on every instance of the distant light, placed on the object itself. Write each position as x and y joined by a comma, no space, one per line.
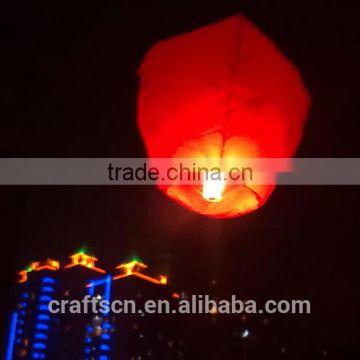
213,310
213,186
82,250
47,289
48,264
23,276
48,280
131,266
37,355
45,298
42,327
39,345
83,259
104,347
245,333
89,328
10,345
106,326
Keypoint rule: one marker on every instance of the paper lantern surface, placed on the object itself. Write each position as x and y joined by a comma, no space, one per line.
222,91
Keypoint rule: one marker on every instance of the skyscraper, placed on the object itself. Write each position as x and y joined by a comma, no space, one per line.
37,333
33,327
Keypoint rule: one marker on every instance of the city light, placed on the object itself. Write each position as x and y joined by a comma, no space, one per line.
10,347
98,336
85,260
100,288
132,266
135,268
48,264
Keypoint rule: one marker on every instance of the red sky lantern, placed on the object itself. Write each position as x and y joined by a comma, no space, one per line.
223,91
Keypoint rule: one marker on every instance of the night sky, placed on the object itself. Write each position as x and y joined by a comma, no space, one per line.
68,88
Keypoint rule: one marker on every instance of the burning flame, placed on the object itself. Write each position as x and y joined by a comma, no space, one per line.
213,186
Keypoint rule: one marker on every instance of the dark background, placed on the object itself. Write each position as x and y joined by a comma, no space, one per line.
68,89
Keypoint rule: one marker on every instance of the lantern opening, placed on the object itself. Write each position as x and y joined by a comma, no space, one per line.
213,186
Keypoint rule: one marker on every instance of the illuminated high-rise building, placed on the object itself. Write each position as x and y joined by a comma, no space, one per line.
74,277
37,333
33,328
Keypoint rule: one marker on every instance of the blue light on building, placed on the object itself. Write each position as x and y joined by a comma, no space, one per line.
105,337
42,324
40,336
47,289
37,355
48,280
42,327
104,347
102,288
39,345
106,325
103,357
43,317
43,307
12,337
45,298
